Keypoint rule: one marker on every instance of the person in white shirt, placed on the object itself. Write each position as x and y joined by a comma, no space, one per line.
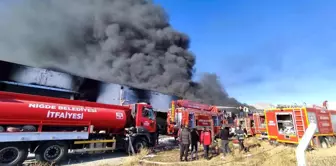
246,110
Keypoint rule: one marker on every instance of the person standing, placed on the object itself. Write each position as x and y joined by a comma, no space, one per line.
206,141
234,117
241,136
325,104
241,112
225,115
246,111
195,138
185,140
230,119
224,135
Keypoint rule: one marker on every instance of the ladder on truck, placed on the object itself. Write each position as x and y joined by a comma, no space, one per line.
299,120
248,126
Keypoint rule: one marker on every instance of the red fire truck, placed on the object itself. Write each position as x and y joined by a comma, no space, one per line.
193,114
288,124
51,127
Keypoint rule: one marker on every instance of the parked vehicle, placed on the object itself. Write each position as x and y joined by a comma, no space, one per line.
51,127
288,125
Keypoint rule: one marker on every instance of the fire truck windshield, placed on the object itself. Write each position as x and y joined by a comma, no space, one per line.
150,113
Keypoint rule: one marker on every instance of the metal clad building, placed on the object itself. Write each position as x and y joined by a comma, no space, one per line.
45,82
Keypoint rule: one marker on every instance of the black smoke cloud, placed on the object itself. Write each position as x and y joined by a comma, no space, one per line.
128,42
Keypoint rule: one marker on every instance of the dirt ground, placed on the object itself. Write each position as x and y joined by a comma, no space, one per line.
265,155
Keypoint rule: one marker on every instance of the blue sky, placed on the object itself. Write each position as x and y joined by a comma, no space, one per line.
278,51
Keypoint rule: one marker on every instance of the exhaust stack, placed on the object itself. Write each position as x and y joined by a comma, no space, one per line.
121,96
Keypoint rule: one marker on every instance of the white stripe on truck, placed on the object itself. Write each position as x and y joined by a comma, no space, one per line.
42,136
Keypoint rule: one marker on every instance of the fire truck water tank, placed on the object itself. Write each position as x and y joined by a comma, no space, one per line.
113,117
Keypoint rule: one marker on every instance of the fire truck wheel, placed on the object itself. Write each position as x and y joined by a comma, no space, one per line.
28,128
324,142
273,143
139,144
324,145
52,152
331,140
13,154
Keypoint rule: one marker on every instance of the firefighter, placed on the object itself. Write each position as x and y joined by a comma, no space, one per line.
224,135
185,140
206,141
241,136
195,138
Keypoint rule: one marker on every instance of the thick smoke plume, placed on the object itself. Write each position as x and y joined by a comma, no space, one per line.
127,42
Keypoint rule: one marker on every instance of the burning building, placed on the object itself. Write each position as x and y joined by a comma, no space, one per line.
47,82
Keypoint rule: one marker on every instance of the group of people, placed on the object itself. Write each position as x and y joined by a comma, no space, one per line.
187,138
225,135
192,138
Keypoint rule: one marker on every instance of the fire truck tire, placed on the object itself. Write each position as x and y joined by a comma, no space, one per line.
274,143
324,142
331,140
13,154
324,145
2,129
140,143
28,128
52,152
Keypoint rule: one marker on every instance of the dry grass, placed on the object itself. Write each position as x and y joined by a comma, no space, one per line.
133,160
39,164
266,155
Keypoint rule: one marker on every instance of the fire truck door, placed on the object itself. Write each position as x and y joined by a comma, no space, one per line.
192,120
256,119
147,118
